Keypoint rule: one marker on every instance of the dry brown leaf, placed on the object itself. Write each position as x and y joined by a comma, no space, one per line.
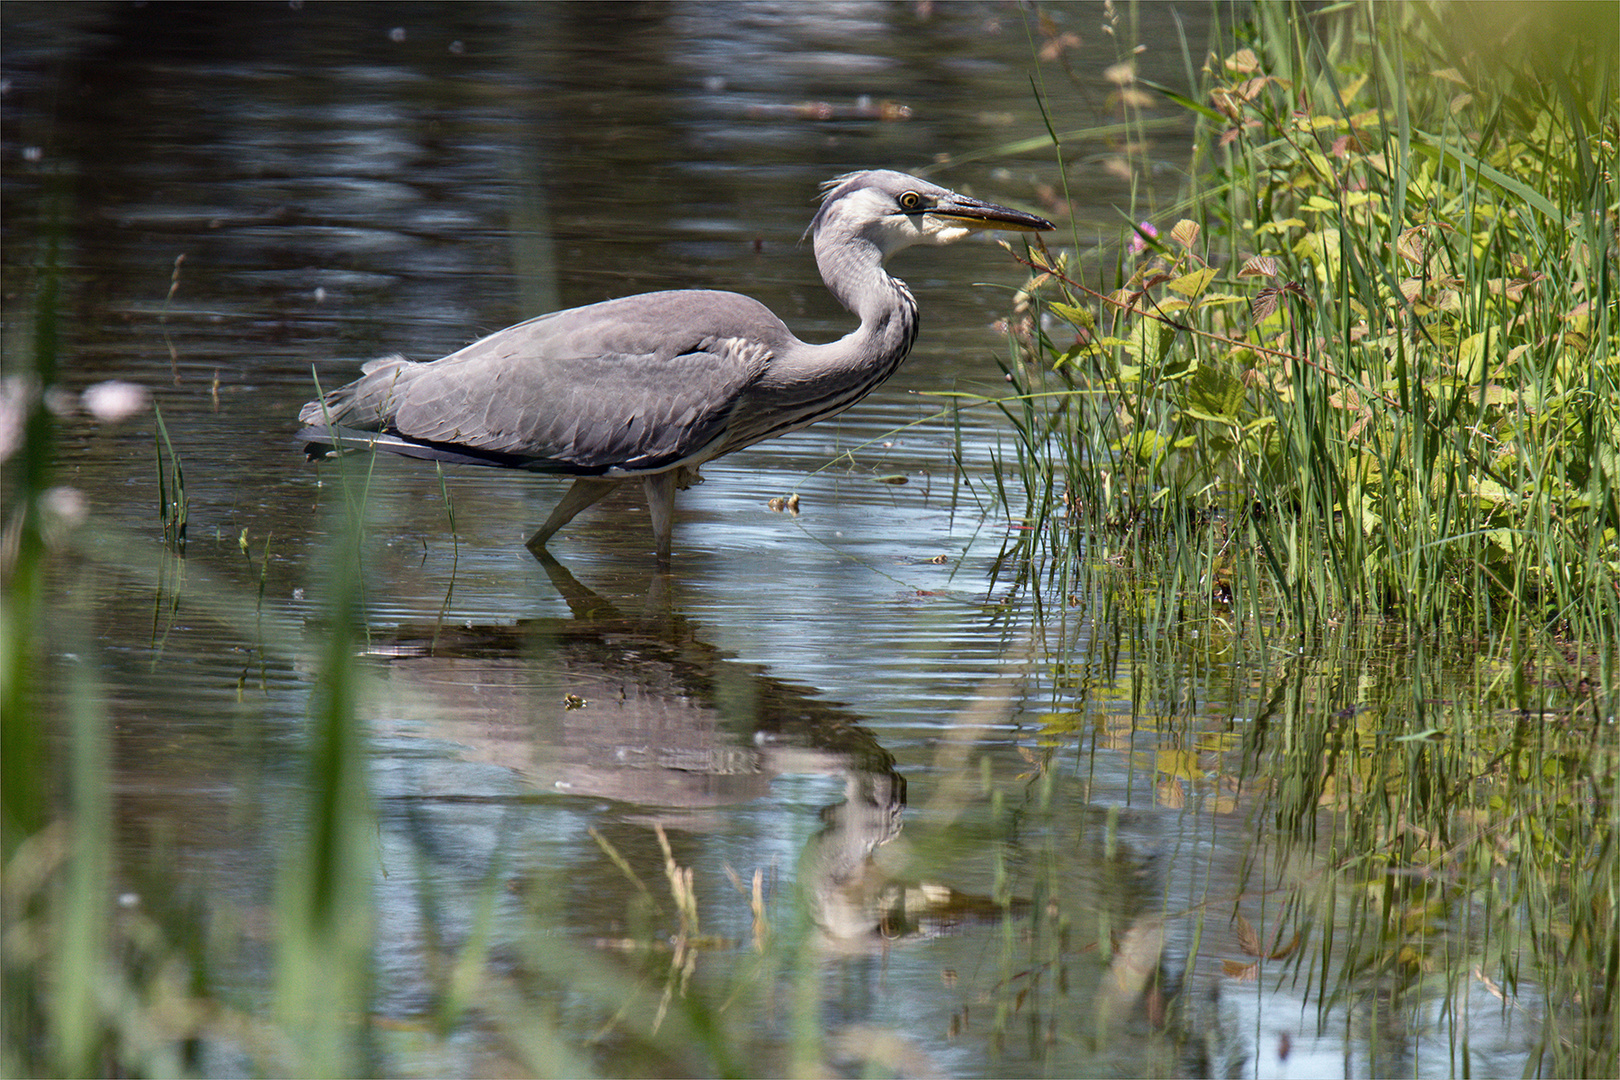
1250,90
1287,950
1409,245
1248,939
1226,103
1264,304
1346,399
1244,60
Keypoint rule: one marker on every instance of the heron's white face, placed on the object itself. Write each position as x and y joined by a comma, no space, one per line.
894,211
895,222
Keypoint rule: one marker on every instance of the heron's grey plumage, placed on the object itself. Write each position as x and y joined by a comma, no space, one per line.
652,386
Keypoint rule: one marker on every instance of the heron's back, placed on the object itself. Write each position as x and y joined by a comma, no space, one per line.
629,385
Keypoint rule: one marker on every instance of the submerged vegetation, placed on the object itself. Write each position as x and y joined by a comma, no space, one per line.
1320,513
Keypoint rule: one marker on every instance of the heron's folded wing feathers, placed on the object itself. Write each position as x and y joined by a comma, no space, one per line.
635,384
616,410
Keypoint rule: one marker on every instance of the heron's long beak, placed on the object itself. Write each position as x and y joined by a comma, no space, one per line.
973,214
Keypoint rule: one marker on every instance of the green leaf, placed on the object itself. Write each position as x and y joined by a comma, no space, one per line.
1150,341
1145,446
1438,151
1190,104
1215,394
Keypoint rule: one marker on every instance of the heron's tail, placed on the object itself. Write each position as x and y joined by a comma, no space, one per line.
367,404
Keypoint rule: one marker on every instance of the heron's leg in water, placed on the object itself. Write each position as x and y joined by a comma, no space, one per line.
587,491
661,508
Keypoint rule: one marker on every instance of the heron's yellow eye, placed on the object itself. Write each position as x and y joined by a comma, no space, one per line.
910,201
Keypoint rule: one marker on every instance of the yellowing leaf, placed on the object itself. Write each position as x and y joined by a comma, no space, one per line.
1194,283
1280,225
1475,352
1185,232
1075,316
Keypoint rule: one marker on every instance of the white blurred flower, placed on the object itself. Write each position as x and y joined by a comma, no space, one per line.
63,509
60,402
15,391
114,400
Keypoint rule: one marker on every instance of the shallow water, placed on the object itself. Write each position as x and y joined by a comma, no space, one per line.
846,700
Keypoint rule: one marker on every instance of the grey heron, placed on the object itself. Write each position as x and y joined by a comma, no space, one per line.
651,387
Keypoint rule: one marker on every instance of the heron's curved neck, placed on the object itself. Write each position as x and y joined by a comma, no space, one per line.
805,383
853,271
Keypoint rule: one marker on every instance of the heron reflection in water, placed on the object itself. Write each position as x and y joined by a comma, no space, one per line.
651,387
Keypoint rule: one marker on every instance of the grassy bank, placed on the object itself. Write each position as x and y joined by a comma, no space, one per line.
1364,380
1377,344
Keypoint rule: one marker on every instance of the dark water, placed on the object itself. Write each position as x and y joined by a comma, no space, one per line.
248,198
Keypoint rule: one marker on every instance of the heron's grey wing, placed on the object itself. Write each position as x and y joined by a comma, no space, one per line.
637,384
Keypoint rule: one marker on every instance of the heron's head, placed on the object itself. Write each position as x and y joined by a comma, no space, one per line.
894,211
